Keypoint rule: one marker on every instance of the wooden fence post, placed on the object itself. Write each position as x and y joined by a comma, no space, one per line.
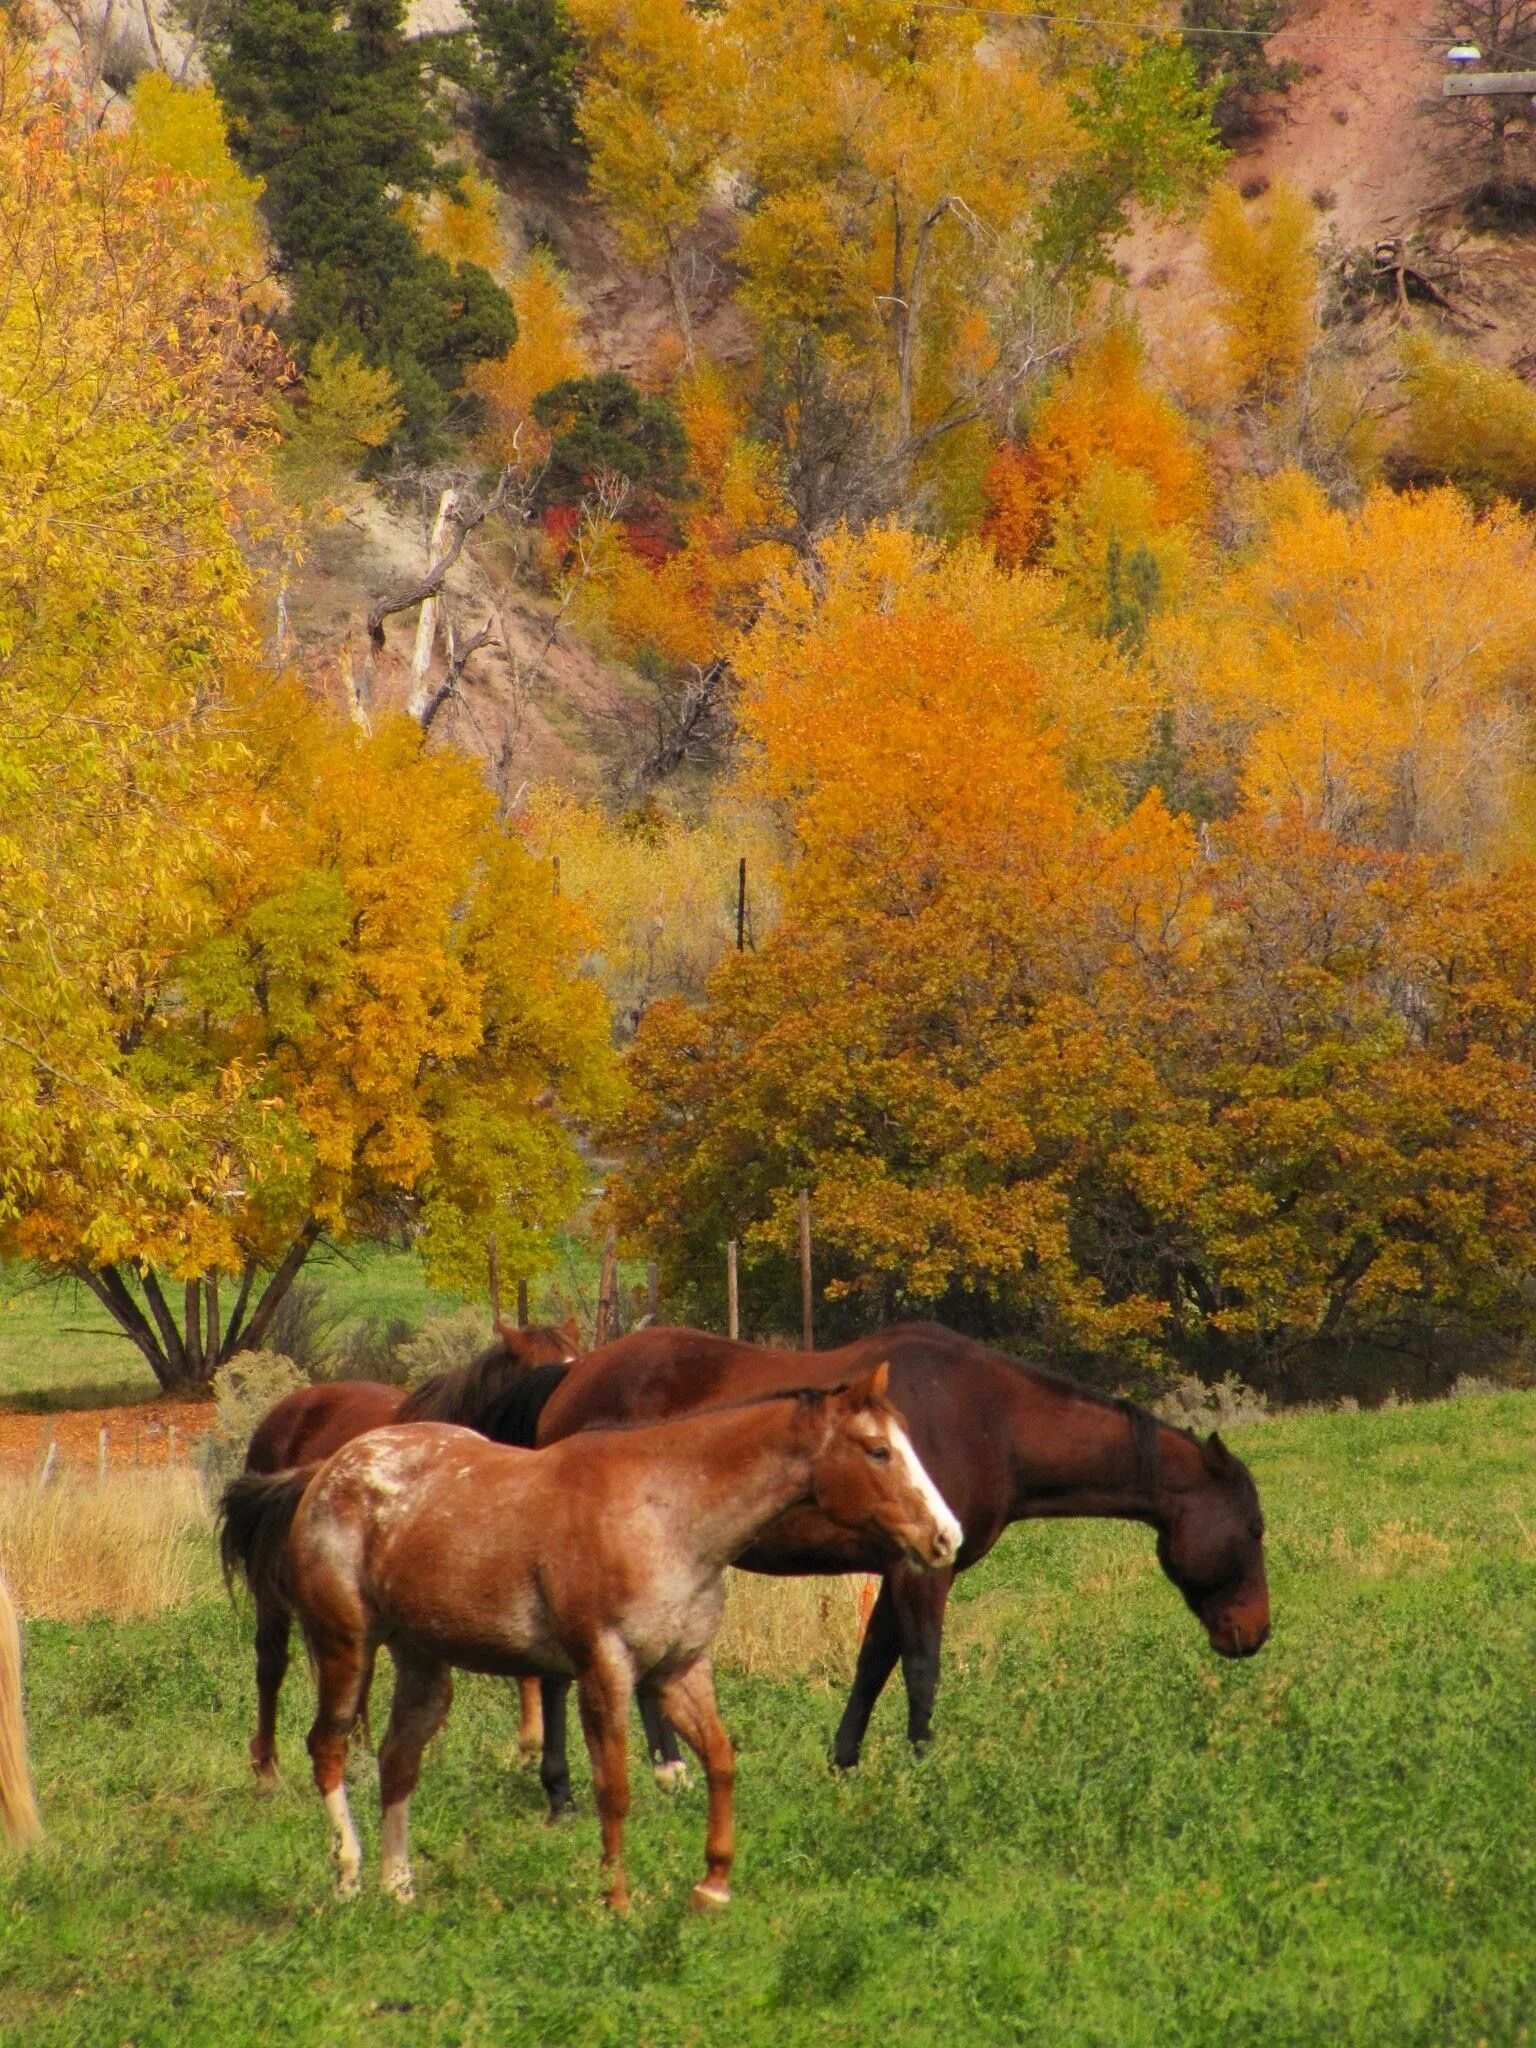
741,905
522,1304
653,1291
493,1263
732,1297
607,1293
807,1325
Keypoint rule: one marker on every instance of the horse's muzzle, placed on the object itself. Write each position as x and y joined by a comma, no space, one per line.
1232,1639
939,1552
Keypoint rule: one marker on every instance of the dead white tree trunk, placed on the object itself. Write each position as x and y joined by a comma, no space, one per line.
426,623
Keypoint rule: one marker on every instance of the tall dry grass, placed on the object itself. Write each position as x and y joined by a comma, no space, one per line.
134,1543
790,1628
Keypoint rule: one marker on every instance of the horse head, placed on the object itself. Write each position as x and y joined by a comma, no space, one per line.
866,1475
1211,1544
542,1343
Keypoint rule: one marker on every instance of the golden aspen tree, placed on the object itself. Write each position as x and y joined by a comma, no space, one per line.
1264,276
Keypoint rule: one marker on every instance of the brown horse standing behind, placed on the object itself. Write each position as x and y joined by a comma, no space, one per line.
18,1812
311,1423
1004,1441
600,1559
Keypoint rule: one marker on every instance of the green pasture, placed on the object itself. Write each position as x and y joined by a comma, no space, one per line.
1115,1842
60,1349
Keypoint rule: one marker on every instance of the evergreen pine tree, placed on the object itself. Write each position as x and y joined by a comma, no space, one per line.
331,105
525,81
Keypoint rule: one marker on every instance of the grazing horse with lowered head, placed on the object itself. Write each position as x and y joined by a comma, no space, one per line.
306,1426
601,1560
1005,1442
18,1812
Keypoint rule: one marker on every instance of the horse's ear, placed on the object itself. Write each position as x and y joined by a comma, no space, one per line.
570,1330
1219,1461
506,1333
865,1392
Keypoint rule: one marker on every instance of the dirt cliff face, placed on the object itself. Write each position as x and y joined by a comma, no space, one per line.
1362,136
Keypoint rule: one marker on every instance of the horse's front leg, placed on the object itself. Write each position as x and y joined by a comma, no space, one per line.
603,1691
689,1700
554,1765
877,1660
920,1599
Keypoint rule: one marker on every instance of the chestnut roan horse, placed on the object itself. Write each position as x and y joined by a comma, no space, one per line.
599,1560
1004,1441
307,1425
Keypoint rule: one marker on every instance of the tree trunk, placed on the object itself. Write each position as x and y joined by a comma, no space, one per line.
426,618
189,1358
192,1325
680,305
237,1318
280,1283
165,1322
109,1289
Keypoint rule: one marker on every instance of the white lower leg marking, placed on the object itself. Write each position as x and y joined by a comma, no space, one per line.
344,1843
671,1777
917,1472
394,1858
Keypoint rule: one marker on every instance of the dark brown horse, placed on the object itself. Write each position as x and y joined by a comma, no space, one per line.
600,1560
1005,1442
311,1423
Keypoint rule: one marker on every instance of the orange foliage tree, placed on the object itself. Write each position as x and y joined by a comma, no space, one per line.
1103,412
1065,1070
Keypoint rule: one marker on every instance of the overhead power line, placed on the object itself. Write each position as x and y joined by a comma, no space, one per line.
1253,35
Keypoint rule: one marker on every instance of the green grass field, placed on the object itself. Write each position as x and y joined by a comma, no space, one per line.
1115,1839
60,1349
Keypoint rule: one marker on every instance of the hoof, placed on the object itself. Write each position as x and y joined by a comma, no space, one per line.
710,1895
529,1755
267,1780
566,1810
617,1902
346,1884
401,1887
671,1777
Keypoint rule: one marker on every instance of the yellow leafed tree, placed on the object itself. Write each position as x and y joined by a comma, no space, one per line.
548,350
1264,276
1373,669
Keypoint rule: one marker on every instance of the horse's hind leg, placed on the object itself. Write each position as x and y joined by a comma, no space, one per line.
876,1661
921,1598
339,1670
689,1700
603,1691
423,1695
273,1622
667,1765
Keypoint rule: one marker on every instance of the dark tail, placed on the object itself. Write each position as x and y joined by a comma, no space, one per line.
512,1417
255,1515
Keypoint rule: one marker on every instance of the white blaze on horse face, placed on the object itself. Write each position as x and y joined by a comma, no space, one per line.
933,1500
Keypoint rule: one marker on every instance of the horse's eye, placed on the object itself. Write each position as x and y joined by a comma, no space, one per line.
881,1453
